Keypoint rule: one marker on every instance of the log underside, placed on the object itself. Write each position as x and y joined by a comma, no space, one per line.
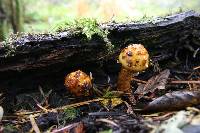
45,59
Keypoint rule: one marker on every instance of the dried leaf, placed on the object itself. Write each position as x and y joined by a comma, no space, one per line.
156,82
174,101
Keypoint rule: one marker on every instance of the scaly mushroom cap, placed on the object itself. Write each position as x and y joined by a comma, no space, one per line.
134,58
78,83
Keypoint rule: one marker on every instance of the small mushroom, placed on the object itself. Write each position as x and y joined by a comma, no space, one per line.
78,83
134,58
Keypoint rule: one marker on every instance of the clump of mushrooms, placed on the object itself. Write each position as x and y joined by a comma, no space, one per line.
78,83
134,59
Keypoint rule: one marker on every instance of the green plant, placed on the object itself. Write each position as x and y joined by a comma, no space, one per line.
109,94
70,113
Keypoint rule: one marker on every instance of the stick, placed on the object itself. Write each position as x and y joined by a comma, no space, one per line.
185,82
34,125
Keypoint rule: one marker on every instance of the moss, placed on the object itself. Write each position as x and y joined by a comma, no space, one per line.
70,113
110,94
9,128
88,27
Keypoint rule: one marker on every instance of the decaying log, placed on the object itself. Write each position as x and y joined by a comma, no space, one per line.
41,55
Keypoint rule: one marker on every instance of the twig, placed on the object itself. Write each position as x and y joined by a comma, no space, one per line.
195,68
34,125
151,115
172,82
78,104
163,117
59,108
185,82
44,109
195,53
108,121
129,110
193,109
26,113
106,114
67,128
140,81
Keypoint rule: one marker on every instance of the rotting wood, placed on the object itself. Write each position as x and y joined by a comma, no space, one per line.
43,50
41,55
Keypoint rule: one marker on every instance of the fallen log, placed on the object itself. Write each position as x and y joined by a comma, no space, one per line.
39,58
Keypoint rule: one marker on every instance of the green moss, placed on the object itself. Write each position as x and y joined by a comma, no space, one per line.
70,113
88,27
108,94
9,128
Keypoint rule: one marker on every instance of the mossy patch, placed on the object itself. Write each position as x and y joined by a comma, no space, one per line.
86,26
70,113
9,128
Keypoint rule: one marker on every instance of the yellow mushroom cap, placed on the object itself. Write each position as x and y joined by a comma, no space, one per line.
78,83
134,58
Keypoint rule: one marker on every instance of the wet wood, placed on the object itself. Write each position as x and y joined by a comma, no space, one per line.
45,54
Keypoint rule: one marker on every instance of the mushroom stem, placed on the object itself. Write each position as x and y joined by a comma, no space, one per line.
124,80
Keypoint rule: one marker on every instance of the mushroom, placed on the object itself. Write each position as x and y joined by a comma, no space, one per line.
78,83
134,58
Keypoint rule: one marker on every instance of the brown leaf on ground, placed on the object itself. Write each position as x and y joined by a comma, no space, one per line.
174,101
157,82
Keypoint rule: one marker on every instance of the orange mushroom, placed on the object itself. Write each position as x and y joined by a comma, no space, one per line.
78,83
134,58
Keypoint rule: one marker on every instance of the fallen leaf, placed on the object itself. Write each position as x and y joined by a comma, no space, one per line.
157,82
174,101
